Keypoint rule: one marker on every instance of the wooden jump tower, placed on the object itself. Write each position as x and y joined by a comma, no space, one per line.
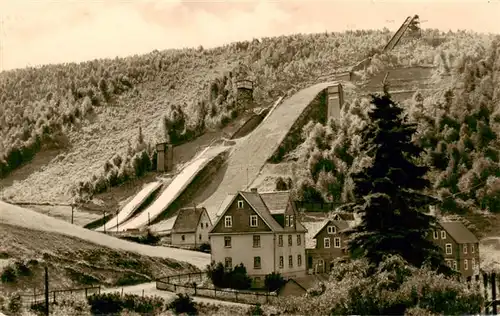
165,157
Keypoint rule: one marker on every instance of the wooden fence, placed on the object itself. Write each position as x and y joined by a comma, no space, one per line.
57,295
488,283
187,283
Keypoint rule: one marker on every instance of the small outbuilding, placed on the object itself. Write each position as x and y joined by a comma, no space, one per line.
191,227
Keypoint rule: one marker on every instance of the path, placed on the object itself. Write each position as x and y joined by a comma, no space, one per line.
150,289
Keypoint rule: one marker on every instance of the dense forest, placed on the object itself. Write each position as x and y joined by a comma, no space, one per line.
194,90
459,127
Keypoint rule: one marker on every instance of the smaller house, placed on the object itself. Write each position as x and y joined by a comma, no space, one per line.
299,286
460,246
191,227
325,241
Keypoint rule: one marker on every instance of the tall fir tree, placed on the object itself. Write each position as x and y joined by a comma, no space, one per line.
389,193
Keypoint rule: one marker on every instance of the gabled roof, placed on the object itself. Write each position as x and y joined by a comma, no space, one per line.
341,225
276,202
459,232
258,205
187,220
346,216
312,229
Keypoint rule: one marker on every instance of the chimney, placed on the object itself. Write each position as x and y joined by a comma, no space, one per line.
253,190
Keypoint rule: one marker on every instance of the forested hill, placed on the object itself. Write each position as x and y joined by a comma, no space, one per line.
459,127
84,119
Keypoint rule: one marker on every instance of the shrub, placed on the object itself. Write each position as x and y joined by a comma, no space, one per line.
8,275
183,304
394,288
274,281
235,279
15,304
114,303
204,247
256,310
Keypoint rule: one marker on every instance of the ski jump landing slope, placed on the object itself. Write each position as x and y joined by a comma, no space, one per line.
131,206
174,189
251,153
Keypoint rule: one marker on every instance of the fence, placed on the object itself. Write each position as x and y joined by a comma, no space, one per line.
488,284
57,295
186,283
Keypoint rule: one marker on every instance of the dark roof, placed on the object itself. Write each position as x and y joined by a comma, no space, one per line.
341,225
459,232
254,199
188,219
346,216
276,202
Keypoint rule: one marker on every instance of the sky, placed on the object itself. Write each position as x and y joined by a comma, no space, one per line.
34,32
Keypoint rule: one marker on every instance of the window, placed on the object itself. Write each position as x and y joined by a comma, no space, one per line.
227,241
199,237
472,248
183,238
287,220
280,240
466,264
228,263
228,221
299,260
436,236
256,241
326,243
240,204
454,264
290,242
281,262
299,241
443,234
201,225
291,220
336,242
448,263
331,229
206,225
290,261
473,263
465,248
256,262
449,250
253,220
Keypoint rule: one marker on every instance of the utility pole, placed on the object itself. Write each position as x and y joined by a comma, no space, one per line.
149,220
116,222
72,210
46,291
104,219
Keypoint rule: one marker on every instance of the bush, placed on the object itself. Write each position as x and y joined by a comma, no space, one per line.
114,303
183,304
274,281
15,305
256,310
204,247
235,279
8,275
394,289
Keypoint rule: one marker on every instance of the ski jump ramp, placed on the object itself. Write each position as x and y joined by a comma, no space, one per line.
174,189
251,153
131,207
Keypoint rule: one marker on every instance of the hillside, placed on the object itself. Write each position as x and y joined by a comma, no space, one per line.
72,262
72,119
23,218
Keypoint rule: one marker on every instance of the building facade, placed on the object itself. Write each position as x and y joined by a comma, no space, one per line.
191,227
261,231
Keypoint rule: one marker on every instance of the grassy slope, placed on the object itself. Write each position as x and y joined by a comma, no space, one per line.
16,216
74,262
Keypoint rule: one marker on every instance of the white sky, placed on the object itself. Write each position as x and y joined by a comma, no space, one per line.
43,31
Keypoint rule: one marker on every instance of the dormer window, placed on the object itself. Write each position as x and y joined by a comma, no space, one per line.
240,204
291,220
331,229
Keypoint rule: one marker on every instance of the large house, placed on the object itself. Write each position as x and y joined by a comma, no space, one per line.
191,227
460,247
261,231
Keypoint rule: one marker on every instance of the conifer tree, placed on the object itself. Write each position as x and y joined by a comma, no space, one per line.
389,193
